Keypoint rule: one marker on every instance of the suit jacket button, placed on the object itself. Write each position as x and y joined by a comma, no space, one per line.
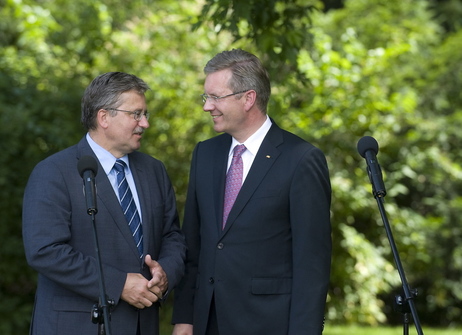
220,246
211,280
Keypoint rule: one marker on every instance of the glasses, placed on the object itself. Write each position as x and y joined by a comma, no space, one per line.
215,99
137,115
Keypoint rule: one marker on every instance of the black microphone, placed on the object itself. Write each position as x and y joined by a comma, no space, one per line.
369,148
88,168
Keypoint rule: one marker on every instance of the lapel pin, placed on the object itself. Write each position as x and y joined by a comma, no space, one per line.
268,156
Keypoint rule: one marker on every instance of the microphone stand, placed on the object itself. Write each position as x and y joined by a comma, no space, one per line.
406,303
100,313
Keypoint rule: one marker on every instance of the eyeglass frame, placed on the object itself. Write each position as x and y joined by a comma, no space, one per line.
206,96
137,115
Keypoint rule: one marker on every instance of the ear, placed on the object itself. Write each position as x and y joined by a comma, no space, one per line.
102,118
250,99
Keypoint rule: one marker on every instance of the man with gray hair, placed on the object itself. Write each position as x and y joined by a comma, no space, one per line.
141,246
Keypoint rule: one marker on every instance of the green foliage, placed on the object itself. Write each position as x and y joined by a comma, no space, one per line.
370,76
278,29
380,68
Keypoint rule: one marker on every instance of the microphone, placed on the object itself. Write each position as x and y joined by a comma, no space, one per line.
88,168
369,148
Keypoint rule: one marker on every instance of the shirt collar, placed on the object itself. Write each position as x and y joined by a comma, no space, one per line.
254,142
106,159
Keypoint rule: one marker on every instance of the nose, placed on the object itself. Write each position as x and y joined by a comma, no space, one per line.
208,106
143,122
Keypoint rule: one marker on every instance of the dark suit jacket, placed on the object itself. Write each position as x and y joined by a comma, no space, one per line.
59,243
269,269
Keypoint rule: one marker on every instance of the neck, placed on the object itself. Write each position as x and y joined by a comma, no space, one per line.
254,123
101,140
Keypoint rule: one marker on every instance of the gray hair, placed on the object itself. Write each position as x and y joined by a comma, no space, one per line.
104,92
247,71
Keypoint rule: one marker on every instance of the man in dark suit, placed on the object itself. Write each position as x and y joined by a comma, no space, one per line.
263,268
141,266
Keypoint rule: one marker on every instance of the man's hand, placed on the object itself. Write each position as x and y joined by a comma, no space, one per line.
136,291
182,329
159,282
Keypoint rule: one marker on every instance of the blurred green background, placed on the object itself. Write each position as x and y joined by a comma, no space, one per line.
340,70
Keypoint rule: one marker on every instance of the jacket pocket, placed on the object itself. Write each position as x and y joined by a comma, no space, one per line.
72,304
271,285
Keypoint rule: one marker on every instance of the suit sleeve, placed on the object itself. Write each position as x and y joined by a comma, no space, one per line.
173,249
184,293
48,214
310,198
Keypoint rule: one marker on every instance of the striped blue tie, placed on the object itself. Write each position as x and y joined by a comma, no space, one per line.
129,206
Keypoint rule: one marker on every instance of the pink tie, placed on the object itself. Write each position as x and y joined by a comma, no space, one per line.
233,181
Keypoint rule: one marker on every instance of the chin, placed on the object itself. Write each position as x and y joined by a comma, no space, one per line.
135,147
218,129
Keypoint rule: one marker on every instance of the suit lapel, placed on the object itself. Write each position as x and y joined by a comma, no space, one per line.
264,160
220,164
107,197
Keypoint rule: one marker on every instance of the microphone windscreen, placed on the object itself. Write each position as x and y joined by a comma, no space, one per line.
367,143
87,163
